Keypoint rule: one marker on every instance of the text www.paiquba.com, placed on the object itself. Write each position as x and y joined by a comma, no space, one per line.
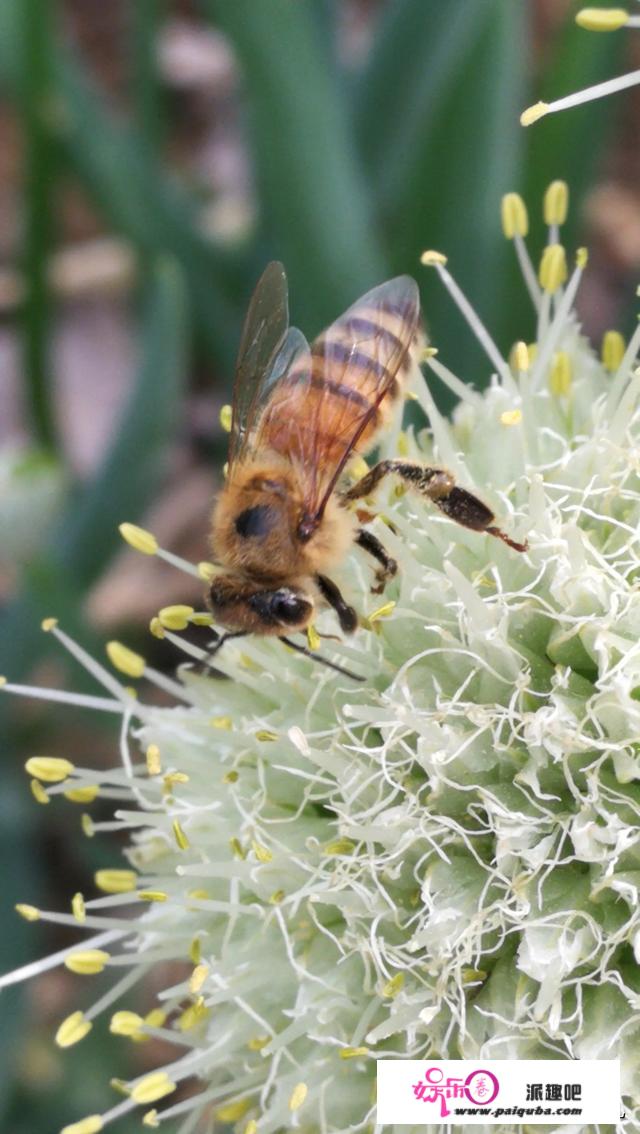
519,1111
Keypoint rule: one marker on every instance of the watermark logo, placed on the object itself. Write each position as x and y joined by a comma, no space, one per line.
470,1092
480,1088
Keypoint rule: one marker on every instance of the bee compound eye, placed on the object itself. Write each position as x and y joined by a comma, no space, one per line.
289,607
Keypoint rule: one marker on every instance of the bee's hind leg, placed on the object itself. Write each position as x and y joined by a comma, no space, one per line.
388,566
440,487
347,616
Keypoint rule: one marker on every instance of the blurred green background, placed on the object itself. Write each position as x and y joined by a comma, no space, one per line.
153,156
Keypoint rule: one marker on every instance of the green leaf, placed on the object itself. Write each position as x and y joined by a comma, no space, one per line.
464,154
317,207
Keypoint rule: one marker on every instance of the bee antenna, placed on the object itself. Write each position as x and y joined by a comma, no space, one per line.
323,661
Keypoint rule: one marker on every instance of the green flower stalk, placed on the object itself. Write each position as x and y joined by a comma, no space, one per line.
441,862
596,20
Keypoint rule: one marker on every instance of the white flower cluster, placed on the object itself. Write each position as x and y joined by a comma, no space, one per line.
441,862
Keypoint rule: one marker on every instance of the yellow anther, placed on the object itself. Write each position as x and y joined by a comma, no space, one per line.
151,1119
201,618
602,19
116,881
207,571
313,638
613,348
173,778
195,952
553,268
92,1124
251,1127
511,417
277,897
353,1052
152,757
126,1023
533,113
556,203
431,258
357,468
155,1018
85,794
226,416
139,538
120,1086
519,357
265,735
582,258
340,846
383,611
156,628
231,777
471,976
29,913
153,896
78,907
231,1112
198,978
175,617
199,895
515,219
179,835
236,848
50,769
297,1096
193,1015
38,792
48,624
125,660
73,1029
221,722
86,822
88,962
3,680
258,1043
152,1088
402,446
263,854
393,986
560,374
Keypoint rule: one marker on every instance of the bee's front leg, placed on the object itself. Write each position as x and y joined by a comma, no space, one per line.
440,487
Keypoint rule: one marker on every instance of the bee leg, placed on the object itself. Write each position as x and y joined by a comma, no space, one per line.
388,567
323,661
205,664
347,616
438,485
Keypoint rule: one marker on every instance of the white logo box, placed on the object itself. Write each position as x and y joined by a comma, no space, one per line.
529,1091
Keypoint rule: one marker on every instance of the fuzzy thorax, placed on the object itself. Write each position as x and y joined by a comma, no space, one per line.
256,520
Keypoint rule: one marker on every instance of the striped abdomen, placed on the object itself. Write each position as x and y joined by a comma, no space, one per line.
336,397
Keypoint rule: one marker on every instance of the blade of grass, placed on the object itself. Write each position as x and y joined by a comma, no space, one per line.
467,154
415,58
146,18
314,195
36,19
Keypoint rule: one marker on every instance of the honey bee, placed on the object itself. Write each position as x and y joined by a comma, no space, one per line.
283,521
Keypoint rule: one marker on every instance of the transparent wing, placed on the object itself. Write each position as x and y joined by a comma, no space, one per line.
328,402
262,340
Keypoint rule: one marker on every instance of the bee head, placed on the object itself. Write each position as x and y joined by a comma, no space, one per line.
258,609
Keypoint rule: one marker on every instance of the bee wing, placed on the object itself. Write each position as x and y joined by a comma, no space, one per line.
352,366
262,341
